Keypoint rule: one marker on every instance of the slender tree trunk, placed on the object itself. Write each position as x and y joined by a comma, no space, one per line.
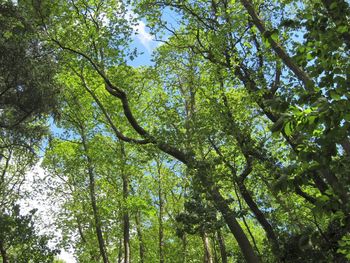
222,247
3,253
126,220
259,216
94,202
83,239
184,247
126,227
213,242
120,252
160,217
140,236
208,257
80,230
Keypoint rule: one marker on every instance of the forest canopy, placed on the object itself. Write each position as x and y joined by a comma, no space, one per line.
231,144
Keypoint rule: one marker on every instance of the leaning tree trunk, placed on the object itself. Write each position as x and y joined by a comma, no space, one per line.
259,215
230,218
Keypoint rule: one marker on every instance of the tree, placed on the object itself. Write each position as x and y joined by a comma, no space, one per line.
27,71
257,115
19,241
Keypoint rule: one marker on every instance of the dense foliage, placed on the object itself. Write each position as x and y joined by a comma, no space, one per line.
231,146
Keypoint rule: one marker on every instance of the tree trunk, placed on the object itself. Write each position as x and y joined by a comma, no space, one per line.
3,253
230,218
140,237
160,216
259,216
216,259
126,221
222,247
208,257
120,254
98,229
184,247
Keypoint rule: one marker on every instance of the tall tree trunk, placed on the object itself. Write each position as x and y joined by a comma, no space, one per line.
230,218
126,232
184,247
120,252
98,229
213,242
126,221
3,253
222,247
259,216
160,216
208,257
83,239
140,236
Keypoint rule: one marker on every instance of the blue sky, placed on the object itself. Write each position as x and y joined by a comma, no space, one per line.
145,43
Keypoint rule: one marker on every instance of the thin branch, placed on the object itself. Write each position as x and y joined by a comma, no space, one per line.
279,50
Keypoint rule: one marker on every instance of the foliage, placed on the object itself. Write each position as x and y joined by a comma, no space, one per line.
20,240
233,145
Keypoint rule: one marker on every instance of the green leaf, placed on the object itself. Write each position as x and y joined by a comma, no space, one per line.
274,36
334,95
288,128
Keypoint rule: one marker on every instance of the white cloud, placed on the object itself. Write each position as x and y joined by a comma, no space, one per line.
140,31
143,36
68,258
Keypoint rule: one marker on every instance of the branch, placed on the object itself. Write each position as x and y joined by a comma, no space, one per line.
301,74
182,156
118,133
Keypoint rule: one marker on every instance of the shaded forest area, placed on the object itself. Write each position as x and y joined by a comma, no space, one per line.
231,145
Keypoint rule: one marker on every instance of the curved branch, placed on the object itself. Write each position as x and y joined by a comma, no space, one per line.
118,133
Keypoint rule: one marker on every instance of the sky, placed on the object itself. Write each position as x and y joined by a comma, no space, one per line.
145,44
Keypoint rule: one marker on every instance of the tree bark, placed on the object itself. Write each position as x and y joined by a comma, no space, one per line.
126,220
230,218
126,233
120,253
140,236
222,247
259,216
3,253
208,257
160,216
184,247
